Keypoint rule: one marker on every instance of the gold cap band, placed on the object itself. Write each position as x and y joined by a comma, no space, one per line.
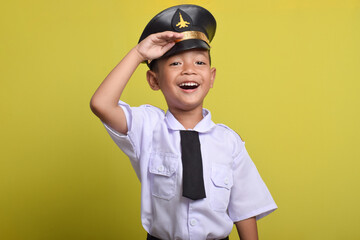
191,35
194,35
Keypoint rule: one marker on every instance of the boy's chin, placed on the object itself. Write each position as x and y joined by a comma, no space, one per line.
186,107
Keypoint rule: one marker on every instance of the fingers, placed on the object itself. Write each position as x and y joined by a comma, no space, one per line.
155,45
168,36
168,46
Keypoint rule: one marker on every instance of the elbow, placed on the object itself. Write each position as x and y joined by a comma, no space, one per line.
100,107
95,106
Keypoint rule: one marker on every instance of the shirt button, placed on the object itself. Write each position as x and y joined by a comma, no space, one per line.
226,181
160,168
193,222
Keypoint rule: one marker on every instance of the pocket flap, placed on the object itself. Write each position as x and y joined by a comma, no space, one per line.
221,176
164,164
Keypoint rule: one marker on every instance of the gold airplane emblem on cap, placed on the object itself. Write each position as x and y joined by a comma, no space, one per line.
182,23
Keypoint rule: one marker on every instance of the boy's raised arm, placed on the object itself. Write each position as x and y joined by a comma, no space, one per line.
104,102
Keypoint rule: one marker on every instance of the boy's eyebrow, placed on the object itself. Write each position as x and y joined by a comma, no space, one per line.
175,57
205,55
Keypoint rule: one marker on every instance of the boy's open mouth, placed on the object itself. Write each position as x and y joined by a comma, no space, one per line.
188,85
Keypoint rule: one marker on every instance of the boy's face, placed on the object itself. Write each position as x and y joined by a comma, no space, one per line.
184,79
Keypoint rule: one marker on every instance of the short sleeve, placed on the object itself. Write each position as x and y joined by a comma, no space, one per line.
140,121
123,141
249,196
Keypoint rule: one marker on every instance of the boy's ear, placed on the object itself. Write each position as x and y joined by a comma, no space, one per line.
152,79
212,76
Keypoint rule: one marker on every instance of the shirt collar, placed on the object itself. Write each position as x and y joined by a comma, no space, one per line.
204,125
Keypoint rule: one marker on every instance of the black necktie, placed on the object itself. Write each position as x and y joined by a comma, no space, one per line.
193,181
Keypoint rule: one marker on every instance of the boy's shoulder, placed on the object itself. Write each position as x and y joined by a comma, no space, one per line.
231,139
150,108
230,130
153,108
145,112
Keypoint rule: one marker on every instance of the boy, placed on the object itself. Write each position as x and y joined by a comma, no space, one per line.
197,179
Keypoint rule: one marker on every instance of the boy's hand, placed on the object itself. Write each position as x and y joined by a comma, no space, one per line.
156,45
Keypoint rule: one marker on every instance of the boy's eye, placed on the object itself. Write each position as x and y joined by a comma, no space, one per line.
174,63
200,63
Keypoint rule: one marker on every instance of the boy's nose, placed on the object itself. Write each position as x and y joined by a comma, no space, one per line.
188,68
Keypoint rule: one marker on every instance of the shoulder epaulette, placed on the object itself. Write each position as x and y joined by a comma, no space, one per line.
223,125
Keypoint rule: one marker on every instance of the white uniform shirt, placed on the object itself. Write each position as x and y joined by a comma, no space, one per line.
234,188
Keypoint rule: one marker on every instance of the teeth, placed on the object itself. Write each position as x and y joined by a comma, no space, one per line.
188,84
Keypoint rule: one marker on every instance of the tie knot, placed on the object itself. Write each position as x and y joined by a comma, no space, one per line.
189,137
189,132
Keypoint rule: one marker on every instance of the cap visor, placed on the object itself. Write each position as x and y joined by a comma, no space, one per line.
187,45
182,46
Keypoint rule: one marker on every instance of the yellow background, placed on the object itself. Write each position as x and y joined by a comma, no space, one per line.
287,81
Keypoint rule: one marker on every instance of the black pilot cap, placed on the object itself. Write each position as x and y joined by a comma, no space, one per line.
196,23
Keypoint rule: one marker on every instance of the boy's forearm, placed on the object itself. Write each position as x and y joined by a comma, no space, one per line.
110,90
247,229
152,47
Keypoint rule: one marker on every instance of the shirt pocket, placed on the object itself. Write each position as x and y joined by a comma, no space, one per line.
163,171
222,181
